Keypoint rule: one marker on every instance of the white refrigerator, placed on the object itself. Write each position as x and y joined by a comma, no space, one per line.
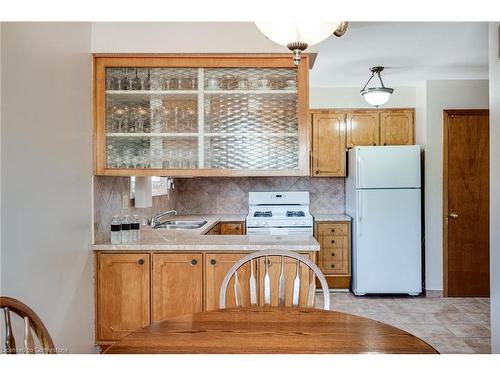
383,198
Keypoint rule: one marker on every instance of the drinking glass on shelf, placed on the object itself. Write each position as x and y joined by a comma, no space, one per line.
174,84
165,83
112,81
136,82
141,115
125,81
194,83
118,116
143,158
146,82
243,82
157,157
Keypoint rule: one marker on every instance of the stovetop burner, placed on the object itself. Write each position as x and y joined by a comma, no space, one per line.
262,214
295,214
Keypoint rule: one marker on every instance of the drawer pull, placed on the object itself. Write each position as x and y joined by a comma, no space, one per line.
194,262
333,265
333,230
141,261
333,254
213,261
333,241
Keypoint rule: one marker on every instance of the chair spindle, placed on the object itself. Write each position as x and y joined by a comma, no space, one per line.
296,286
10,342
29,342
267,284
311,294
253,286
281,284
237,291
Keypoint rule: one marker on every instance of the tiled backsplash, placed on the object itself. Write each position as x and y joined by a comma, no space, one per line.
230,195
108,192
212,195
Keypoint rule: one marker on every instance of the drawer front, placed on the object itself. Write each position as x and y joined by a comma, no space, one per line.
332,267
334,254
338,229
333,242
231,228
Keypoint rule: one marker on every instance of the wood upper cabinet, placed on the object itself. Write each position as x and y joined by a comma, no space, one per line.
328,144
200,115
216,268
363,128
122,294
177,285
396,127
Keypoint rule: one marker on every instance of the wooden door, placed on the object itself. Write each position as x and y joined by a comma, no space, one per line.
290,272
177,285
466,203
328,144
123,294
363,128
216,268
397,127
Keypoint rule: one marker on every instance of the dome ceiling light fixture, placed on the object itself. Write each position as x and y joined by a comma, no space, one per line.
376,96
297,36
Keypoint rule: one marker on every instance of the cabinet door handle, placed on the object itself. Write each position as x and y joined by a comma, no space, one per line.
194,262
213,261
374,144
141,261
333,265
317,171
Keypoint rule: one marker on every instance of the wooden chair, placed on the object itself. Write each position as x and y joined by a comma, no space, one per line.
31,322
265,282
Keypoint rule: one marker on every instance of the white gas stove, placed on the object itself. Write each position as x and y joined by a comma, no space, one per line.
279,213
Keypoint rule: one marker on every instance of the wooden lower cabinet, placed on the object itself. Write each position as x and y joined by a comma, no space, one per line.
334,258
177,285
216,268
233,227
123,303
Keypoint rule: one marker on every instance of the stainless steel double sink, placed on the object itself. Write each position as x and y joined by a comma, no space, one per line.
181,224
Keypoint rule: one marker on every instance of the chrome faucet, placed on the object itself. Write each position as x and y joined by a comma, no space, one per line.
155,221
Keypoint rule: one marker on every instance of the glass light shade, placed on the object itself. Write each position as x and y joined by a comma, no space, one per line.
377,96
307,32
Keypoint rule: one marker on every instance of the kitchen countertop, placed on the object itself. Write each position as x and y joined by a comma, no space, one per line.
332,217
195,240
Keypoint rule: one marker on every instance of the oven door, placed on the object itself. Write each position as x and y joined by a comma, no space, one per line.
279,231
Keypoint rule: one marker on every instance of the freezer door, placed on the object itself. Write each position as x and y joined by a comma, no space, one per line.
387,246
389,167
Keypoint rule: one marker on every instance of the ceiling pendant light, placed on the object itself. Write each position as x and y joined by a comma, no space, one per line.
297,36
376,96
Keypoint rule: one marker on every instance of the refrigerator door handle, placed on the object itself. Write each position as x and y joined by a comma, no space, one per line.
360,214
358,167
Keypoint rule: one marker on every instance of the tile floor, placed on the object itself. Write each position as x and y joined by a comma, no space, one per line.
450,325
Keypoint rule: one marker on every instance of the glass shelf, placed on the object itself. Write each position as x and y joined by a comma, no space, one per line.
190,118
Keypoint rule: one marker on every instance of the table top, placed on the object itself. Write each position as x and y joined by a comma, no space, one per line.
276,330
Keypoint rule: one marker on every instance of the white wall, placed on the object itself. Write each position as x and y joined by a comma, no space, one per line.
442,95
350,97
495,184
46,152
182,37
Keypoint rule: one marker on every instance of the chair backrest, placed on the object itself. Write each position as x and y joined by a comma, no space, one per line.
265,281
31,322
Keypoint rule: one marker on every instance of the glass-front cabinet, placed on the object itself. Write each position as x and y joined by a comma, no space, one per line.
200,115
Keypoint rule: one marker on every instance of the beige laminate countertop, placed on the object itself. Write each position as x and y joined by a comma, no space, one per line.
195,240
332,217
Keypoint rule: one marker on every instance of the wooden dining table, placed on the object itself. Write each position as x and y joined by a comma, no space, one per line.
261,330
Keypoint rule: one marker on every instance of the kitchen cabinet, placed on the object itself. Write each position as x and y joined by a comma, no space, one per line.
396,127
363,128
216,268
200,115
380,127
177,285
122,295
215,230
334,258
234,227
328,156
